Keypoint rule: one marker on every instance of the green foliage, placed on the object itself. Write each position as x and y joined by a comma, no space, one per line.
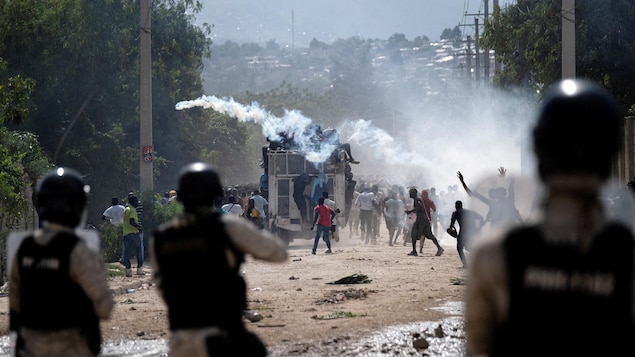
527,40
157,213
15,96
451,34
111,241
22,162
84,58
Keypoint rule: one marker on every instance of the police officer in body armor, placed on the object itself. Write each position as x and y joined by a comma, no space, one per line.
58,290
570,276
203,242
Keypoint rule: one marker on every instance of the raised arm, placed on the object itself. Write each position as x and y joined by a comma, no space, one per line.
470,192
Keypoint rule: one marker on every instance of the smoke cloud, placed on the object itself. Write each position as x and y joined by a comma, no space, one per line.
424,145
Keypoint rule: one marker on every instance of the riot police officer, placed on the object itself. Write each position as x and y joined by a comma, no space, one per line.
203,242
564,285
58,290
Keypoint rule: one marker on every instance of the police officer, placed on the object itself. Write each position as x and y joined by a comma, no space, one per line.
564,285
58,290
203,242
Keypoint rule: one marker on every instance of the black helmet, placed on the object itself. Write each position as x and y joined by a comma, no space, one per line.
61,197
579,130
199,185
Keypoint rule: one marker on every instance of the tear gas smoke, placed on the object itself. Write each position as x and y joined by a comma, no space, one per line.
426,147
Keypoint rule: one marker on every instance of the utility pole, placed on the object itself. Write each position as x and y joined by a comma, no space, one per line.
568,38
468,57
486,48
477,64
497,65
145,97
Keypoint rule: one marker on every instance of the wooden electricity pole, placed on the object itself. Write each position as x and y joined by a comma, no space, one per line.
145,96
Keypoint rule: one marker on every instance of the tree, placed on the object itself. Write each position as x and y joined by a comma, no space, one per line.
420,41
397,41
22,163
527,40
15,96
84,58
22,160
451,34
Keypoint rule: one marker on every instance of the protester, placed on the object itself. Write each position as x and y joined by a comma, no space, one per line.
470,223
429,209
394,215
202,242
58,287
353,220
323,216
114,213
421,228
232,207
132,238
262,205
563,286
253,214
502,211
434,215
366,200
139,208
333,206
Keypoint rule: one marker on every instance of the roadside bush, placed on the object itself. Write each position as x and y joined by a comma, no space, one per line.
111,241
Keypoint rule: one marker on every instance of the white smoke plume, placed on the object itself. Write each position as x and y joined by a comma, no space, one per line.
425,148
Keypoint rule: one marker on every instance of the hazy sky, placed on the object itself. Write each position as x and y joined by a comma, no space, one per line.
326,20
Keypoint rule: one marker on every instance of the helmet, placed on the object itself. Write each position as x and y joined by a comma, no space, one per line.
61,197
199,185
579,130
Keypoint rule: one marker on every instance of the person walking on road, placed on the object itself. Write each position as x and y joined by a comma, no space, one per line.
421,228
322,217
132,238
470,223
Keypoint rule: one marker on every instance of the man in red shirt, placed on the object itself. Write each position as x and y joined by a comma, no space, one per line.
322,217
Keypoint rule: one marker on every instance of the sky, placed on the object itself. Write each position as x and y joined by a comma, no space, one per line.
326,20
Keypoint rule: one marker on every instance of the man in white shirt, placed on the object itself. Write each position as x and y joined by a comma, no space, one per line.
365,201
114,213
261,204
232,207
